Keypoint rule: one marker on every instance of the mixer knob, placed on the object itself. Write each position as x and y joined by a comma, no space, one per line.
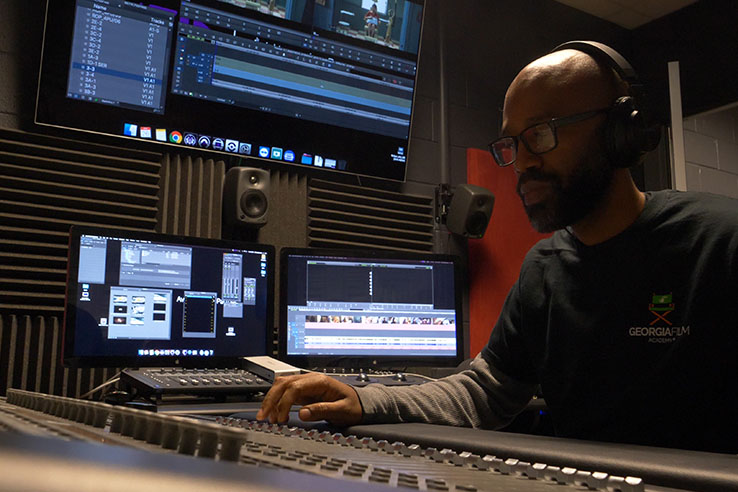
595,480
552,474
188,436
439,456
632,484
89,416
170,433
140,425
79,415
536,470
325,436
412,450
464,458
128,421
101,412
398,447
154,431
312,434
208,440
338,438
369,442
384,445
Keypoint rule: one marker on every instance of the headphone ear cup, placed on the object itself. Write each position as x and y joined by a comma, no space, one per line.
626,135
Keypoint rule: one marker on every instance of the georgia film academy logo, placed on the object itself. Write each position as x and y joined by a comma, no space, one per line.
660,307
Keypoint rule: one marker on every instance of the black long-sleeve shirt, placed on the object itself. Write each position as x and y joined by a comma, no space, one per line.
631,340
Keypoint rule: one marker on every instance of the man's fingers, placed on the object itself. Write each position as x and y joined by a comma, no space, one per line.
337,412
308,389
273,397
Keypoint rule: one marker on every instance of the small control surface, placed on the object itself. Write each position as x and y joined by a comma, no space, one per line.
166,380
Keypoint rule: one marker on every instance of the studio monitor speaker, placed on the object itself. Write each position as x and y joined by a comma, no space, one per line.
470,210
246,197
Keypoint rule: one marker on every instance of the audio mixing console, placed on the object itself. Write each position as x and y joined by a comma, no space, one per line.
253,455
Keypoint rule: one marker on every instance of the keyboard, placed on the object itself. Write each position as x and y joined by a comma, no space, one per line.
175,380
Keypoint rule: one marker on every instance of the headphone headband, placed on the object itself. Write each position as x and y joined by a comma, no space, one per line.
603,54
628,135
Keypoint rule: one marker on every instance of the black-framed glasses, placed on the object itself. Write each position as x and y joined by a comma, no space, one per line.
538,138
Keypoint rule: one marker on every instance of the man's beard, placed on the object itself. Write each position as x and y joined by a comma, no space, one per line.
573,197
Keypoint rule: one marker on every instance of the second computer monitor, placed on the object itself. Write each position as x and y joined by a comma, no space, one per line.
369,309
145,299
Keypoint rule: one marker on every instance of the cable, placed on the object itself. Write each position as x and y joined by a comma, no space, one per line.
110,381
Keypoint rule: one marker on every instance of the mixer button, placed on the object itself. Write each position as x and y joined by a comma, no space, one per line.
434,484
466,488
379,478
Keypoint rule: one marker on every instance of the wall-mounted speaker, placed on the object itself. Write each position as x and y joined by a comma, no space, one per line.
246,197
470,210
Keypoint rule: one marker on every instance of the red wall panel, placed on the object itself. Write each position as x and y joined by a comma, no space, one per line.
494,260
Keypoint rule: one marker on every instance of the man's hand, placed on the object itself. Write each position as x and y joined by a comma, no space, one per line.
324,398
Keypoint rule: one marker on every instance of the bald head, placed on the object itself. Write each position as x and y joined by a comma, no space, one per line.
560,83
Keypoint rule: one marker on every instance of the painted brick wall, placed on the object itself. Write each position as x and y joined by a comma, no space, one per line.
711,152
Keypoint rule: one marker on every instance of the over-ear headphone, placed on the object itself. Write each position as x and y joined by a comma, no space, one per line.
627,133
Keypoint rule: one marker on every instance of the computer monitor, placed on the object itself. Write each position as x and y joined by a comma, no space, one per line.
369,309
325,85
138,299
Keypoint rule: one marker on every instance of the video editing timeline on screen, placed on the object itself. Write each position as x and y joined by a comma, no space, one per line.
255,64
159,297
295,86
370,316
373,308
371,458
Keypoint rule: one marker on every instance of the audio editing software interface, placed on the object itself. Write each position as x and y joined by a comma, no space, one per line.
352,306
145,298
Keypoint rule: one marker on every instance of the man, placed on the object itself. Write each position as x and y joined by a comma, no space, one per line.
626,317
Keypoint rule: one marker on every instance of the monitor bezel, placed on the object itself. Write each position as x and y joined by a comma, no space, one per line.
361,361
70,359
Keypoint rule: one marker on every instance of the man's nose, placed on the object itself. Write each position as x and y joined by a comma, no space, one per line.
525,159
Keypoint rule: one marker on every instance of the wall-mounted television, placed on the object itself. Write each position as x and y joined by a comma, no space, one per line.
324,84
